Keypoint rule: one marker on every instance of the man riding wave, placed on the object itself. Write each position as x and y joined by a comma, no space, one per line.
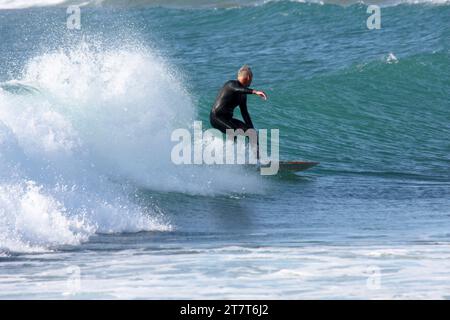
234,93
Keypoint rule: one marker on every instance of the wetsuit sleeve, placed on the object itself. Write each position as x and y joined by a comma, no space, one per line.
245,114
237,88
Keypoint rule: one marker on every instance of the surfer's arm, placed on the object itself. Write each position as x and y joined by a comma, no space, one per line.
261,94
235,87
240,89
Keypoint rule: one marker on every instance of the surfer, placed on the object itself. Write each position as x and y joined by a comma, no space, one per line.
234,93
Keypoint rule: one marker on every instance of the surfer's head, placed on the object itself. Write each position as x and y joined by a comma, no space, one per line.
245,75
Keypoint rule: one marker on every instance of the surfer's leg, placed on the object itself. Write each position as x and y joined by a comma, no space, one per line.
234,124
238,124
221,123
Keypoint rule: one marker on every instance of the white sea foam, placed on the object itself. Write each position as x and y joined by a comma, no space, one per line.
310,272
95,125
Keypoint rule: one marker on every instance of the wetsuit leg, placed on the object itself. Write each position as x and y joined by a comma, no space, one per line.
238,124
223,124
241,125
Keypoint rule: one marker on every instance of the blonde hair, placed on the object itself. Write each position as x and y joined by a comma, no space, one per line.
245,71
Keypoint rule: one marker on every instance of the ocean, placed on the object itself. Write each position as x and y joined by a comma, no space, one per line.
92,207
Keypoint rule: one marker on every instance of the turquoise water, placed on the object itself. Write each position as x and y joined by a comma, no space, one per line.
86,180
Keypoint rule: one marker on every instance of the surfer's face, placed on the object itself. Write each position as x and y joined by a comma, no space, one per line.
245,81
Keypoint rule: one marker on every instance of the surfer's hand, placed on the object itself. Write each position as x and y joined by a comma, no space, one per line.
262,94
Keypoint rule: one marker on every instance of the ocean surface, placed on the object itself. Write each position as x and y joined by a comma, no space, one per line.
91,205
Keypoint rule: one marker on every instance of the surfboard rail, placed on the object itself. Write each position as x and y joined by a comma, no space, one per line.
296,166
286,166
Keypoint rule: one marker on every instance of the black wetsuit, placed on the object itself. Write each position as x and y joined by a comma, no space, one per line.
232,94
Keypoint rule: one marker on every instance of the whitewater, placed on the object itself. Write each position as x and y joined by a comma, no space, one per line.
74,124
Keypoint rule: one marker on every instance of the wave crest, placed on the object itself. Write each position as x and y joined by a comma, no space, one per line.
22,4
